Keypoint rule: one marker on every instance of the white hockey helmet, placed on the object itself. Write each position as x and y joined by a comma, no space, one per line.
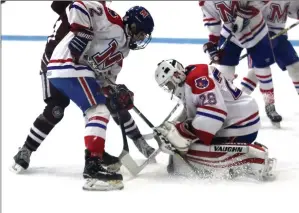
170,75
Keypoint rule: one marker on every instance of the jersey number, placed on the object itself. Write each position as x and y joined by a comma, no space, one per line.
236,93
108,57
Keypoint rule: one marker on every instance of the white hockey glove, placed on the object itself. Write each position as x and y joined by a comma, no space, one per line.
173,133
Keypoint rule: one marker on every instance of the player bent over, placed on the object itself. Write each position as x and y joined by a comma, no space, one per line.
219,123
56,103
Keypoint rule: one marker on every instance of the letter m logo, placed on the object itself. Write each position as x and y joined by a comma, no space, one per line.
227,11
108,57
277,14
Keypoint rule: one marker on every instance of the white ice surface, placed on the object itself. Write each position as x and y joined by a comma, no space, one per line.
53,183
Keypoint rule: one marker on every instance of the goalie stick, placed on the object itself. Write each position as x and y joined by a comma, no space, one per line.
275,36
158,139
151,135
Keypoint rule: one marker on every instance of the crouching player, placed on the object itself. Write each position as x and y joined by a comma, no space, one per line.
219,124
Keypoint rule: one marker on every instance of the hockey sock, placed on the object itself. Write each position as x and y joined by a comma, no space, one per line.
264,77
249,82
293,70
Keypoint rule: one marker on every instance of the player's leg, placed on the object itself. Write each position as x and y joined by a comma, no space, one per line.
262,57
287,58
229,59
241,156
250,81
83,91
132,131
52,114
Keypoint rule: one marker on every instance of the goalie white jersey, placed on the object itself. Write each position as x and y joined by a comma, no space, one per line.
218,17
277,12
107,50
216,106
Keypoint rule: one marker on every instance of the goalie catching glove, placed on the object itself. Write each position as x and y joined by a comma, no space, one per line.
179,135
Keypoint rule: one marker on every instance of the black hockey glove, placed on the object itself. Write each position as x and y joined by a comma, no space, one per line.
79,44
213,51
119,98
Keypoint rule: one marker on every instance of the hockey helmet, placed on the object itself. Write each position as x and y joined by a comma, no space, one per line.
170,75
139,26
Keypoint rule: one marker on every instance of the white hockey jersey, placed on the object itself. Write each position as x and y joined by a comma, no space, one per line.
107,50
276,13
218,17
216,106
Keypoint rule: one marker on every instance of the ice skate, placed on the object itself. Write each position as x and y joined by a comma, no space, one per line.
144,148
111,163
21,160
99,178
273,115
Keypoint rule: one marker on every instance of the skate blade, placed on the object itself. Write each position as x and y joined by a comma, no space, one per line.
98,185
16,168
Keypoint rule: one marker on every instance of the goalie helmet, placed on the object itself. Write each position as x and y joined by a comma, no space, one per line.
139,26
170,75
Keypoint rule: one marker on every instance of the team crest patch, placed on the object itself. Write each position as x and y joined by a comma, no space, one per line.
202,82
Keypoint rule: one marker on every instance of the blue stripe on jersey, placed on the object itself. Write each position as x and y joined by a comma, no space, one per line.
210,116
96,125
265,82
297,87
80,9
247,86
246,125
212,24
258,32
68,67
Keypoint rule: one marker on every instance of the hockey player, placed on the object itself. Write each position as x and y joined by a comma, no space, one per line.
219,123
276,14
96,45
57,102
244,20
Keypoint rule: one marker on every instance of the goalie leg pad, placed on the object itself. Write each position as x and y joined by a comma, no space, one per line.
249,159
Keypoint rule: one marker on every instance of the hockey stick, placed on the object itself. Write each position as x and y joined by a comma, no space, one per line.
158,139
151,135
132,166
275,36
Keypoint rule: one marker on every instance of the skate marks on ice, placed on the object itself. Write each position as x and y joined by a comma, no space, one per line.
157,172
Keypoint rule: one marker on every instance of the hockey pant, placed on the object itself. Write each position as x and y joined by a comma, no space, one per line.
84,92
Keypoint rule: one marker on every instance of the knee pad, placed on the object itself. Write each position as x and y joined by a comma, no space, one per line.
99,110
54,112
228,71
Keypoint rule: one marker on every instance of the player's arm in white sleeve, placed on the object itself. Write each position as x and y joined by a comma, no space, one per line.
81,25
212,20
